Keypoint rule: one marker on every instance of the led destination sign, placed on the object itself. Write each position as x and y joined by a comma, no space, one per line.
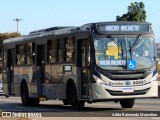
123,28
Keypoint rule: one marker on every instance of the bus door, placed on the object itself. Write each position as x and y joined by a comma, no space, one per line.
83,67
10,71
40,68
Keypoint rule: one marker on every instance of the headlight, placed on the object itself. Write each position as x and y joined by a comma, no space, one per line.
98,80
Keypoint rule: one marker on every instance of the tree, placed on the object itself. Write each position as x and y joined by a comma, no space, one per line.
4,36
136,12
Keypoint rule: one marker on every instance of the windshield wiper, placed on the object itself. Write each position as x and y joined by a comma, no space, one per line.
136,42
112,39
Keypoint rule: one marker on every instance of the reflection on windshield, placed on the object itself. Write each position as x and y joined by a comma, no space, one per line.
143,53
114,54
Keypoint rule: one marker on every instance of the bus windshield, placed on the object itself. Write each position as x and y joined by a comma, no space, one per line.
115,53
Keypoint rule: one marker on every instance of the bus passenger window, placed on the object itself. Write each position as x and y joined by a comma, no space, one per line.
5,57
30,55
61,50
20,54
61,56
70,50
52,51
25,54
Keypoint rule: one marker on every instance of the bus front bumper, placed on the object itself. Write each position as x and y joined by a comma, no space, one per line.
108,92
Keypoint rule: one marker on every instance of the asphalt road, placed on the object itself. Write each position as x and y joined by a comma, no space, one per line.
149,108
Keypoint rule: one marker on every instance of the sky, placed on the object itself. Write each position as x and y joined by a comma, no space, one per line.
40,14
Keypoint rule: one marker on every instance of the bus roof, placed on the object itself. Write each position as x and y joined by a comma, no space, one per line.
41,33
46,32
36,32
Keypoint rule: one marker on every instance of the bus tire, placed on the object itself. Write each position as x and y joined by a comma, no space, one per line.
24,95
128,103
75,103
26,101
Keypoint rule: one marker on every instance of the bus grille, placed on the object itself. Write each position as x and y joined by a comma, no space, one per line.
131,75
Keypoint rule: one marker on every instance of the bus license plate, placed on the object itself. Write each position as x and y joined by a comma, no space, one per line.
127,90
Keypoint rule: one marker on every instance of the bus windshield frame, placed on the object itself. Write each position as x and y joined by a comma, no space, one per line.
117,53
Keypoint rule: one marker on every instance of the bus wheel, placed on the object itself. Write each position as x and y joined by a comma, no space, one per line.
75,103
24,95
128,103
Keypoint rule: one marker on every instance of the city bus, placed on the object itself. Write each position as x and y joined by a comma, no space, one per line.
95,62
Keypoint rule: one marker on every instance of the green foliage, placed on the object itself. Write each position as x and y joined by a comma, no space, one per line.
136,12
4,36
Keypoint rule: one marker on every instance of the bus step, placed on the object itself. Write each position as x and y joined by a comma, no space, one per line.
42,98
